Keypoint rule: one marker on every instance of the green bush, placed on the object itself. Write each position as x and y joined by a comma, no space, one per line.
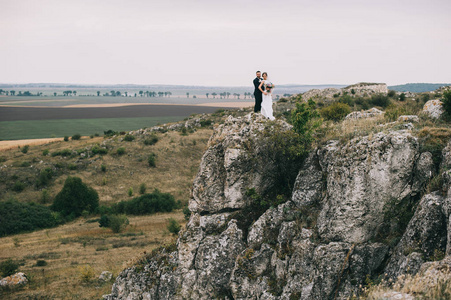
44,177
76,137
173,226
151,160
393,112
41,263
130,192
24,149
66,138
120,151
19,217
402,97
19,186
146,204
142,188
336,111
74,198
110,133
64,153
186,213
205,123
45,196
152,140
72,167
45,152
346,99
447,104
380,100
116,223
99,150
8,267
129,138
103,168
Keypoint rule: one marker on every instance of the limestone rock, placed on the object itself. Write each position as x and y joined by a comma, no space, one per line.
14,280
433,108
409,118
105,276
370,113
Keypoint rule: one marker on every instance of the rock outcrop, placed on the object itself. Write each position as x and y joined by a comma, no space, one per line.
433,108
370,113
357,210
14,280
362,89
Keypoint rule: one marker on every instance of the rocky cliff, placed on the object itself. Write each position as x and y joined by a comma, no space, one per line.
356,210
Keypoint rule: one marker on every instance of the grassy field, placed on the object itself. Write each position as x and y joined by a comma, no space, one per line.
34,129
70,248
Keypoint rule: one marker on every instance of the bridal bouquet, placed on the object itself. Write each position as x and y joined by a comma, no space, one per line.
269,86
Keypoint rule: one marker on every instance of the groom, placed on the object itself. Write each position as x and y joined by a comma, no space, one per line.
257,92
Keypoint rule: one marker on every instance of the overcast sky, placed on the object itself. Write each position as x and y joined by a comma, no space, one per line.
209,42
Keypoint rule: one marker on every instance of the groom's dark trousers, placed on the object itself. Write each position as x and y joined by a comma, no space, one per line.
257,95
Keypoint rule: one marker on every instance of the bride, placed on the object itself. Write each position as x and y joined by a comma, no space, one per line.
266,87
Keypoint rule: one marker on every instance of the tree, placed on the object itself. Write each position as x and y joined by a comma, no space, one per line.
118,93
12,93
75,197
447,103
187,95
54,94
207,94
228,94
1,91
98,93
141,93
126,94
214,95
75,93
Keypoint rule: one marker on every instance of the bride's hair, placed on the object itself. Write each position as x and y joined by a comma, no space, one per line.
264,73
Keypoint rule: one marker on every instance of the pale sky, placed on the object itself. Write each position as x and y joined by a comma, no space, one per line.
209,42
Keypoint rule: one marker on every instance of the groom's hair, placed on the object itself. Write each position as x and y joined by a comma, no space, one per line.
257,72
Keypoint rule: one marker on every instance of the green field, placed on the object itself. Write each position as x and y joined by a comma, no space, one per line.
35,129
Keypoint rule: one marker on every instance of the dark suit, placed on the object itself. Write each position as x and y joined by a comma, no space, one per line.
257,94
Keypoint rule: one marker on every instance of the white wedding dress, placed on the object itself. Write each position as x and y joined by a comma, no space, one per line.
267,104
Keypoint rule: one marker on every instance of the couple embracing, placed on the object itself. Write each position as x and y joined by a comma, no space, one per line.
263,96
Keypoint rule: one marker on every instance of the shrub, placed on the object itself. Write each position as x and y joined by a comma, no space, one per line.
151,160
402,97
45,196
24,149
44,177
380,100
19,217
25,164
447,104
72,167
116,223
110,133
173,226
393,112
66,138
146,204
75,197
129,138
120,151
41,263
8,267
130,192
64,153
205,123
76,137
103,168
19,186
86,273
184,131
186,213
152,140
336,111
346,99
391,93
142,188
99,150
45,152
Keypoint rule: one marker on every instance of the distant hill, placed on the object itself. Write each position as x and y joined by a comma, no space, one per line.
417,87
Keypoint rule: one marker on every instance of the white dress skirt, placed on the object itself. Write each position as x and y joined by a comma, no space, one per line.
267,105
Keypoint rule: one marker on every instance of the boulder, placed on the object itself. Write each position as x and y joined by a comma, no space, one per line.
105,276
14,280
433,108
370,113
409,118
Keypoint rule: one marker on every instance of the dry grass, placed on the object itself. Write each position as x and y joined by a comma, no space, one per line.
70,248
177,161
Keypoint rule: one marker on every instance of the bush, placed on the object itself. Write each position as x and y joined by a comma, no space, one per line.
64,153
120,151
20,217
99,150
151,160
72,167
142,188
130,192
173,226
116,223
391,93
45,152
8,267
447,104
336,111
66,138
45,196
19,186
152,140
75,197
186,213
86,273
205,123
24,149
44,177
380,100
110,133
129,138
346,99
41,263
103,168
402,97
146,204
76,137
393,112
